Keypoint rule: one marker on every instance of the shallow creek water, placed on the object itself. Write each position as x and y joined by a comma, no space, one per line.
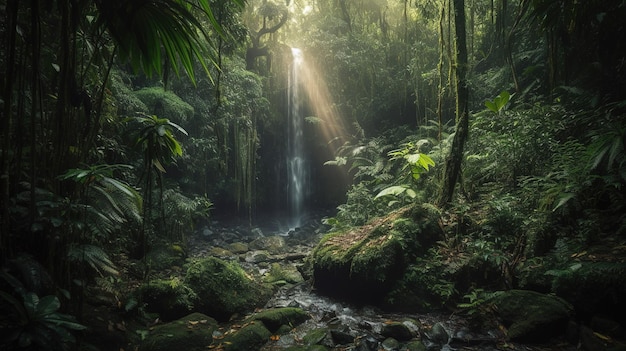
358,328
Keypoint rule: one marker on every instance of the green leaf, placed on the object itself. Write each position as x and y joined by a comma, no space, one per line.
491,106
392,190
47,305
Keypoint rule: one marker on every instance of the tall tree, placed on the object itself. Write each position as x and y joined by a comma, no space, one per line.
455,158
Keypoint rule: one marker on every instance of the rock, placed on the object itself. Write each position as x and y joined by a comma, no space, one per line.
531,316
191,333
366,343
439,335
251,337
283,272
390,344
223,288
256,256
416,345
373,257
273,244
171,299
396,330
238,247
316,336
274,318
220,252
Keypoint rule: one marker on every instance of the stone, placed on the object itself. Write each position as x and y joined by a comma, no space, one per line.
224,288
274,318
191,333
396,330
273,244
251,337
530,316
416,345
390,344
374,256
171,299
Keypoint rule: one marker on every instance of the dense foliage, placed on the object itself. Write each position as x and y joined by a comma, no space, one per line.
124,124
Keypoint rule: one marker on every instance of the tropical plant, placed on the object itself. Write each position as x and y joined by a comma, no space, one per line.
34,323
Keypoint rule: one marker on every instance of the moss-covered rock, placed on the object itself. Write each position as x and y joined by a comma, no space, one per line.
273,244
274,318
286,273
531,316
223,288
191,333
363,263
251,337
171,299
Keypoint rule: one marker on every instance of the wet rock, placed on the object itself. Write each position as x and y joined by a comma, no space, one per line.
366,343
316,336
416,345
390,344
396,330
531,316
438,334
193,333
274,318
342,336
220,252
251,337
223,288
372,257
256,256
283,272
272,244
171,299
238,247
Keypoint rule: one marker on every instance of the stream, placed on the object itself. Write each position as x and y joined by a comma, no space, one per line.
347,326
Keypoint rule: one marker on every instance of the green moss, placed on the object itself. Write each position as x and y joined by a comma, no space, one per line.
274,318
283,273
223,288
315,336
165,104
171,299
193,333
250,337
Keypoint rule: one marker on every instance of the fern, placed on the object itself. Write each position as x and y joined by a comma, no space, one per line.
94,256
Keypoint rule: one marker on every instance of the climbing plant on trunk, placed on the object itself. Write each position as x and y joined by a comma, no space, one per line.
455,158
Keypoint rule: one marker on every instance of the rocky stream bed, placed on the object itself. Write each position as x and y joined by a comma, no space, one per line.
290,313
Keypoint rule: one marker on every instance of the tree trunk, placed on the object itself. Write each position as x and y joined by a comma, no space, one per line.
455,158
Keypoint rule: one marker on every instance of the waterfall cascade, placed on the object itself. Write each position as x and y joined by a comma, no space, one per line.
296,162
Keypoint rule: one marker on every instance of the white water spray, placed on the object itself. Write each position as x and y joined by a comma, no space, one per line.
296,163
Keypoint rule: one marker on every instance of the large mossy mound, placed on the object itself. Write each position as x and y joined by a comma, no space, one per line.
363,263
223,288
191,333
169,298
532,317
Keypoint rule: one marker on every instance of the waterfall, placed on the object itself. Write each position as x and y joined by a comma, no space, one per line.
296,162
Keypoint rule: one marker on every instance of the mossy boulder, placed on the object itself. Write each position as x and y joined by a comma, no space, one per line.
171,299
530,316
274,318
281,274
273,244
251,337
363,263
191,333
223,288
